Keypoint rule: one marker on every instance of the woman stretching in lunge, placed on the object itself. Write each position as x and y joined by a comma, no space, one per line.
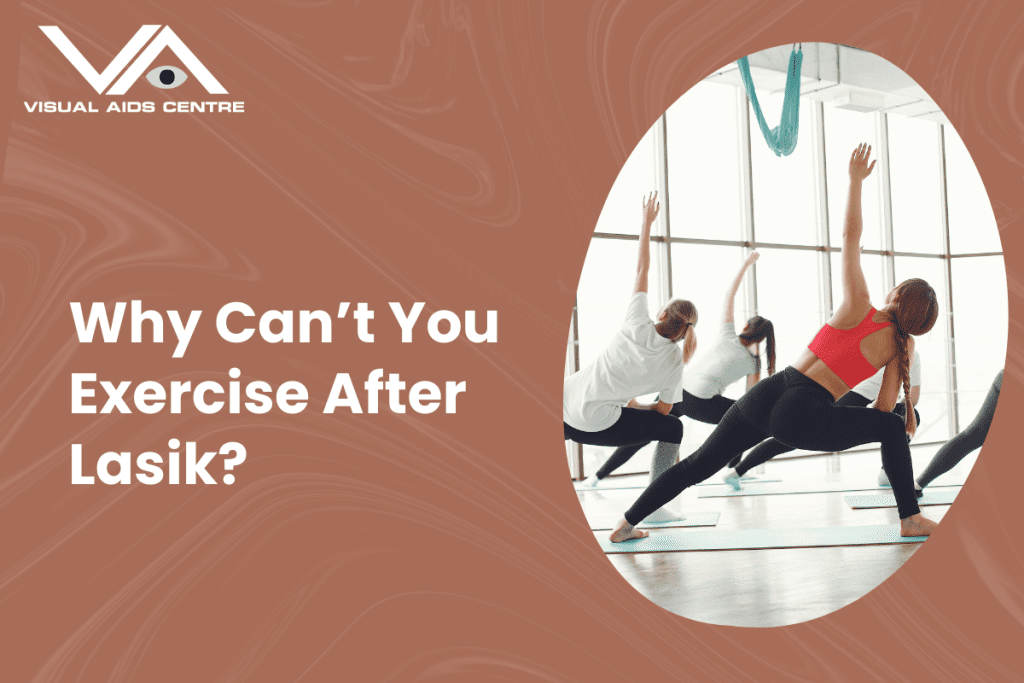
643,358
731,357
966,441
861,396
797,406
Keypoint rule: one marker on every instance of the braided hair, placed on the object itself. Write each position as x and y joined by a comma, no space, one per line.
913,310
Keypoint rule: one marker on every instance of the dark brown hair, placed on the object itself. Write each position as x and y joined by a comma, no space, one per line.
913,310
759,329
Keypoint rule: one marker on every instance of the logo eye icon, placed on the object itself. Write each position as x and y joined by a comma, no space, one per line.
166,77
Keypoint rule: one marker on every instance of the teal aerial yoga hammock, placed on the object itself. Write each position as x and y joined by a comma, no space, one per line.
782,138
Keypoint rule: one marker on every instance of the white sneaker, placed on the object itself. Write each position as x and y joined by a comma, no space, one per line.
732,479
883,479
591,481
664,514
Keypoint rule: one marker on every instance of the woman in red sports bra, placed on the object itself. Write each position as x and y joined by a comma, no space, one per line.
797,405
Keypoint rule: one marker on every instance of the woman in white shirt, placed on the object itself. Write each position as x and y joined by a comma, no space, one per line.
731,357
598,403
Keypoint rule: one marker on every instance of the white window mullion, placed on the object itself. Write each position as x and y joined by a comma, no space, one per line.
663,228
821,206
746,197
951,381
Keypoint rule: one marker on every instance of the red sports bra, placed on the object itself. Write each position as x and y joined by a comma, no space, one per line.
840,349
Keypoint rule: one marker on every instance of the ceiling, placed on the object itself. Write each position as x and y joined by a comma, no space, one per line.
839,76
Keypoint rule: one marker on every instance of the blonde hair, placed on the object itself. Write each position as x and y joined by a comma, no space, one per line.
680,317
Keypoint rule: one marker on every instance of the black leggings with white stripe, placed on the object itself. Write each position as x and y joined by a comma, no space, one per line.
800,413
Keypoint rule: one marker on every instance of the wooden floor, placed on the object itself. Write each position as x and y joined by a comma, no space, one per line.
771,587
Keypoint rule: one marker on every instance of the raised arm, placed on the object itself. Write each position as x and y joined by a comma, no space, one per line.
729,304
855,286
643,257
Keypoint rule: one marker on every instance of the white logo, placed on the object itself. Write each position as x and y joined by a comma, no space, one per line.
166,38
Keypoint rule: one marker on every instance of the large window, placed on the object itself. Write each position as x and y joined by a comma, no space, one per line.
915,168
941,223
981,328
783,186
972,224
844,130
704,158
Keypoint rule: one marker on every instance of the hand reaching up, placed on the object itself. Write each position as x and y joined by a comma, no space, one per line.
859,168
651,208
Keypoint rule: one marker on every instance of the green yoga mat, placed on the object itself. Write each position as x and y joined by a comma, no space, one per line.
692,519
887,500
629,485
758,539
758,489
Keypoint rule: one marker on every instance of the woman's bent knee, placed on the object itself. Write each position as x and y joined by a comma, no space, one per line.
673,431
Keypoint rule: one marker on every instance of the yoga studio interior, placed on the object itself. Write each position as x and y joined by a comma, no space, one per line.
809,532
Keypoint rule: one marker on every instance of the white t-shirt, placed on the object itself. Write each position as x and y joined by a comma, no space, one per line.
638,361
725,362
870,387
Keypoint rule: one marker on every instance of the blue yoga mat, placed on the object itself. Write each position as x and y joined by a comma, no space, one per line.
758,489
692,519
887,500
612,487
758,539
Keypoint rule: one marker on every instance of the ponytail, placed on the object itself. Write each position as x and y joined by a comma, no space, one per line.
689,344
762,329
680,317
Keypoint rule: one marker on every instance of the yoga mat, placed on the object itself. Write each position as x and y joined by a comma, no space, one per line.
757,489
758,539
887,500
578,485
692,519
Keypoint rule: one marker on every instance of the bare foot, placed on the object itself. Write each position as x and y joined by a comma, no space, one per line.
664,514
624,531
917,525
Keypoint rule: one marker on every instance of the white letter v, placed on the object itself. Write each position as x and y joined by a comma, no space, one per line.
100,81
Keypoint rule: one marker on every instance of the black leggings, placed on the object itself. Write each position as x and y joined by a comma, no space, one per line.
767,450
634,426
800,413
967,440
709,410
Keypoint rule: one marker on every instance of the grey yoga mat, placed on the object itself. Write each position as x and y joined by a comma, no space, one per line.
757,539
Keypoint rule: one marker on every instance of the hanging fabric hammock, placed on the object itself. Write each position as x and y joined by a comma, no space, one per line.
782,138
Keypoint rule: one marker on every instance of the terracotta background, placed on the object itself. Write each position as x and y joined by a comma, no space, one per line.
453,153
